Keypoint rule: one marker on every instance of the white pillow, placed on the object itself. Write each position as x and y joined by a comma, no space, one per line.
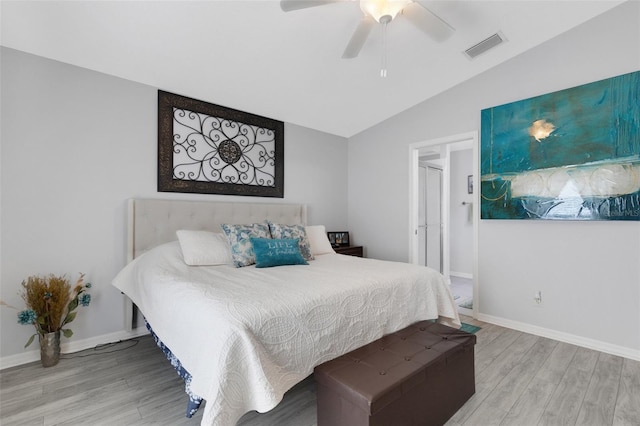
318,240
201,248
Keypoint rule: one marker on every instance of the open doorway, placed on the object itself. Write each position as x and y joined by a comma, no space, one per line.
443,220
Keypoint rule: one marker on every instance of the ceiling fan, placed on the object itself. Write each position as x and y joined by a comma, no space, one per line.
383,12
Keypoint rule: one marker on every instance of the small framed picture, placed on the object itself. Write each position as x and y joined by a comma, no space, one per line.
338,239
470,184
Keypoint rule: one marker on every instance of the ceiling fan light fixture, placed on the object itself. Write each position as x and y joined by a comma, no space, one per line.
383,11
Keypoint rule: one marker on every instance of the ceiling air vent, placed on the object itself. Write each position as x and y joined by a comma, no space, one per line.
484,45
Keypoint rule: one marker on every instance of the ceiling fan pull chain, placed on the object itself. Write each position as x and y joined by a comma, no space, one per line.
383,66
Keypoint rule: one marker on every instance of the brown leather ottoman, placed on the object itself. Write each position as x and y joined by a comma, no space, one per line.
420,375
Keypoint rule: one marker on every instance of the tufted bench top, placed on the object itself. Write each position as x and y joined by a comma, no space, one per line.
385,370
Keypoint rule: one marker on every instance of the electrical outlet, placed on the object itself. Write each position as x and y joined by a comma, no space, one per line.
538,297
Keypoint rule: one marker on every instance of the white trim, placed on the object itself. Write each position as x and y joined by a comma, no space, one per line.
461,275
475,209
584,342
465,311
413,202
71,347
446,214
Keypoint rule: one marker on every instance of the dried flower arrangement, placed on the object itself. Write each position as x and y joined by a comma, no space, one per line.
51,303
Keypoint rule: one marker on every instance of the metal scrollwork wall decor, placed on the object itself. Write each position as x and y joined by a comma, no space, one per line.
209,149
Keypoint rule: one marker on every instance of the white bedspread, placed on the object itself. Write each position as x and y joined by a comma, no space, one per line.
247,335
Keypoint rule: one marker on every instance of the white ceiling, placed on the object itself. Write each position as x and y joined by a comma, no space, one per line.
251,56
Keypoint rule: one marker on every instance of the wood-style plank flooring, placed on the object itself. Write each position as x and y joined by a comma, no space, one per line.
521,380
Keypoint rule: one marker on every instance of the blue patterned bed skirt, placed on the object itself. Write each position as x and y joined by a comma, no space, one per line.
194,400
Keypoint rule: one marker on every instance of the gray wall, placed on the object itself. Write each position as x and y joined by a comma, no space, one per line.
76,144
588,272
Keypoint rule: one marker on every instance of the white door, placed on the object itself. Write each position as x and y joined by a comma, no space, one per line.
433,218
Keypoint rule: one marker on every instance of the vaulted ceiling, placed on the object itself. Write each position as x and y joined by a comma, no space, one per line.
252,56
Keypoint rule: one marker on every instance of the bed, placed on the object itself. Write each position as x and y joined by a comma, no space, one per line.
243,336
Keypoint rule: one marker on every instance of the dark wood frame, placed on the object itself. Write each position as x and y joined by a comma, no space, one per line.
166,182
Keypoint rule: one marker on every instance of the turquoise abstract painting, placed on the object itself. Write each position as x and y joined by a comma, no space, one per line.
567,155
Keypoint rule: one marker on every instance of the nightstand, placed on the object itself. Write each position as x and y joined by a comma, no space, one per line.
350,250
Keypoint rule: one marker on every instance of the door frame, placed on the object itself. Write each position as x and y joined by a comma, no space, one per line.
414,154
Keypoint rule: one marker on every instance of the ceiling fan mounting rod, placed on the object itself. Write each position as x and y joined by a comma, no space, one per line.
384,20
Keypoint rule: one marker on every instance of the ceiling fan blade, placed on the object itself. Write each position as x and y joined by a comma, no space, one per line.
289,5
427,21
358,38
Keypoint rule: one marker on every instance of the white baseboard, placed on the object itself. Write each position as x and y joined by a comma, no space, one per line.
80,345
465,311
71,347
461,275
584,342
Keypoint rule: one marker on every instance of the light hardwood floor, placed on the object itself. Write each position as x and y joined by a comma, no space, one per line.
521,380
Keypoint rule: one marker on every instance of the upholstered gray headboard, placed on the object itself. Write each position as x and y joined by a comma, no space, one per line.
153,222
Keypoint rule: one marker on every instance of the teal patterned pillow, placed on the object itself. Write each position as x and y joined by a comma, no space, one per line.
292,232
271,252
239,237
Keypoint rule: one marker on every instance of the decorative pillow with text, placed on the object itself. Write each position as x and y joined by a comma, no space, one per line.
277,252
